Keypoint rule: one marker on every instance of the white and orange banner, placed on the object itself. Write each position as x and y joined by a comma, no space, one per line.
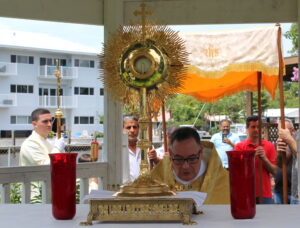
227,62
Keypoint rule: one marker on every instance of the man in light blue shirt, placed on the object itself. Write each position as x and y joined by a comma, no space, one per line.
224,141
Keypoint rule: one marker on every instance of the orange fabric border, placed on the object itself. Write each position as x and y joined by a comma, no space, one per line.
213,89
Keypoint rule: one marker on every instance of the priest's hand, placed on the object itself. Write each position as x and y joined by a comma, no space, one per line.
59,144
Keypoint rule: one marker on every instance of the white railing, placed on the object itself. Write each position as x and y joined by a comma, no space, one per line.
66,72
65,101
8,69
9,154
28,174
8,100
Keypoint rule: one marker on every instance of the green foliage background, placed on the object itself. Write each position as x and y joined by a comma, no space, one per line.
184,109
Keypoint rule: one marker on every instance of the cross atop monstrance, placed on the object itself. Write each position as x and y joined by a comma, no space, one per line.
143,13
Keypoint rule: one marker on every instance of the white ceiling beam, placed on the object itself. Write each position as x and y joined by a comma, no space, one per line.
73,11
165,11
182,12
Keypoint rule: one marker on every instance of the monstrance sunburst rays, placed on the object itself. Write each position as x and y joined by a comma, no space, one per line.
155,40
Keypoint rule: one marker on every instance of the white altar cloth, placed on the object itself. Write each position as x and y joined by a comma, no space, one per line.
215,216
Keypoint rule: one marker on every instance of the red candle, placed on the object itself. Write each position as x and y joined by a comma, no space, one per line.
63,185
94,150
242,183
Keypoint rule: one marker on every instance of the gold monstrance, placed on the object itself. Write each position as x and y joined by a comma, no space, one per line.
148,69
58,113
143,63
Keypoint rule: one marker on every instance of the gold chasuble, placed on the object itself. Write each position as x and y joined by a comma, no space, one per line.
214,182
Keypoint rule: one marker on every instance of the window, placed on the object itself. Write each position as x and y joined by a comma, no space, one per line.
83,120
101,91
84,63
30,89
50,91
21,88
91,120
13,88
52,61
20,119
83,91
22,59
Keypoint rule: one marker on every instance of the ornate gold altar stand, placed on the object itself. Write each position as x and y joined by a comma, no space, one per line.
144,209
105,207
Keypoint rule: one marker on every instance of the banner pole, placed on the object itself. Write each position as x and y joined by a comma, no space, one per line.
282,116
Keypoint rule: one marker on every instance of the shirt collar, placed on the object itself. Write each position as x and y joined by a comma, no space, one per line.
200,173
249,143
229,134
138,150
35,134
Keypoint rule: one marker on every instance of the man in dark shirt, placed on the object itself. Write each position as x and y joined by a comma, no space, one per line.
278,189
266,153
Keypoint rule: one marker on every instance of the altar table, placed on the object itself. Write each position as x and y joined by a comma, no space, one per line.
214,216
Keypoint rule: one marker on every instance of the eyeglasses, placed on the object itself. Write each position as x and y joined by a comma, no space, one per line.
128,127
190,160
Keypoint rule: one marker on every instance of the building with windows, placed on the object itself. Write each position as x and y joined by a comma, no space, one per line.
27,82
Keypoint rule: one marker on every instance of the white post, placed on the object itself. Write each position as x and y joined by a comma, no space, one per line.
8,156
112,148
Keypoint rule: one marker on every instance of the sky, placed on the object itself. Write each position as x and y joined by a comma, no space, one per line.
92,35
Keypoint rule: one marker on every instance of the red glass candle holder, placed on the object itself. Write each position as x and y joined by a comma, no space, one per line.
63,185
242,183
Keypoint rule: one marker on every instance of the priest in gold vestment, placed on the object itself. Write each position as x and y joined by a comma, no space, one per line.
194,165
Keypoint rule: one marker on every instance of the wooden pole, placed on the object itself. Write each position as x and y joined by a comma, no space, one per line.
282,116
58,127
260,187
249,103
163,114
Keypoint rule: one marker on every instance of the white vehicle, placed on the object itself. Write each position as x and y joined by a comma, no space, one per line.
242,137
239,129
187,125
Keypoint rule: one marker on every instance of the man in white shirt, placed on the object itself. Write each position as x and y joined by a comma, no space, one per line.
131,127
224,141
35,149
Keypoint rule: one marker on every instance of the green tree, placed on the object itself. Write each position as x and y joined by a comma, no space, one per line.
184,109
290,91
292,34
101,119
265,101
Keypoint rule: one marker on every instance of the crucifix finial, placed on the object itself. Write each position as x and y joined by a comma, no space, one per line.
58,77
57,73
143,13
